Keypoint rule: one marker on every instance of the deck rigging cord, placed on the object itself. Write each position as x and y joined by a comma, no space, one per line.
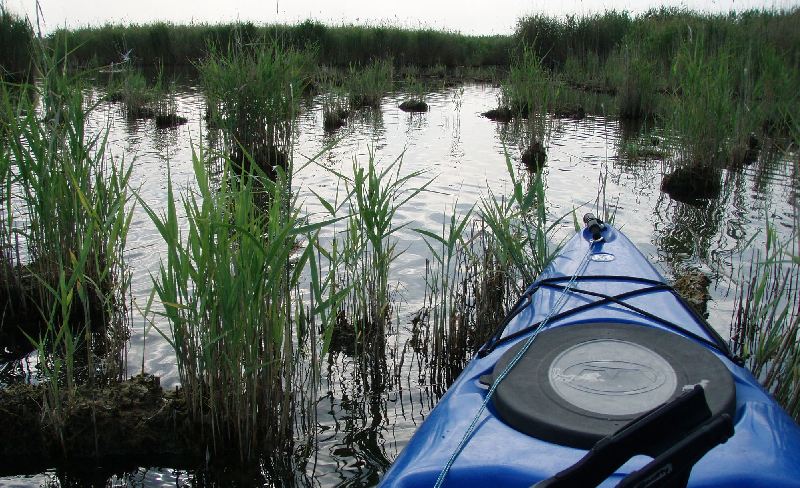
595,239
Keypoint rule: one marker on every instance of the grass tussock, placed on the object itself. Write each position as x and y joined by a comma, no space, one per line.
362,253
253,93
66,214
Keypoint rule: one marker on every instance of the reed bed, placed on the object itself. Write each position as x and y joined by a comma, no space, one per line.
153,44
766,319
66,212
16,47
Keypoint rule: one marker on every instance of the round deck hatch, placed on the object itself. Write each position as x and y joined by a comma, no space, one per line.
576,384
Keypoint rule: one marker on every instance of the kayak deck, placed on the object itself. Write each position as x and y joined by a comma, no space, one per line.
764,450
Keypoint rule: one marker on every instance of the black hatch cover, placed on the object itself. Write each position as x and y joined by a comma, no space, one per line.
577,384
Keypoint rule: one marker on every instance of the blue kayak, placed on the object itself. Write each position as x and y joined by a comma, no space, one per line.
603,376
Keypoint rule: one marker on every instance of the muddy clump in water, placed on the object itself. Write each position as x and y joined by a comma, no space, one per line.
266,157
499,114
130,419
692,285
534,156
414,106
335,119
169,121
689,184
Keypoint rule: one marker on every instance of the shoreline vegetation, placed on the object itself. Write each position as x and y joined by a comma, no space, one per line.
252,295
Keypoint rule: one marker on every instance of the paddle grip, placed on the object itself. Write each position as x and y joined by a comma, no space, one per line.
593,225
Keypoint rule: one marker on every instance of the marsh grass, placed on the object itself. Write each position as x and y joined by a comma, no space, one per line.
230,296
67,211
766,320
131,88
252,92
362,253
367,84
637,96
475,276
16,47
342,45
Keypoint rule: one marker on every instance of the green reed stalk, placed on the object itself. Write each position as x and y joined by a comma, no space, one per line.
230,293
475,278
365,249
521,228
766,321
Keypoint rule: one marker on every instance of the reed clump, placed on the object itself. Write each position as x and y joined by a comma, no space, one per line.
766,320
253,92
476,275
66,212
362,253
367,84
230,299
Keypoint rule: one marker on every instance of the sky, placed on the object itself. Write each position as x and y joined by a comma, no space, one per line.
465,16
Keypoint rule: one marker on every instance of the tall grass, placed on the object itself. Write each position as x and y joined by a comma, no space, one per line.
153,44
367,84
705,113
366,248
16,47
67,206
252,91
476,275
766,319
230,299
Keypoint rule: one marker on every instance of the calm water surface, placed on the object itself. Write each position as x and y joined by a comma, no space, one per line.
360,433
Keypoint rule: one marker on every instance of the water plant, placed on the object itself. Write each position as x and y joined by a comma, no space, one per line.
366,248
16,47
67,206
766,320
252,91
476,276
229,296
367,84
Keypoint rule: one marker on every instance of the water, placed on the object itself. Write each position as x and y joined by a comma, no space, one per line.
362,430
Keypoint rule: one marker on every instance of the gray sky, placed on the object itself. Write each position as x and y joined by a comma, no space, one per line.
466,16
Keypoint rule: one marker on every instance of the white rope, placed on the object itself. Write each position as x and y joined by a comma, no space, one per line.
560,303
